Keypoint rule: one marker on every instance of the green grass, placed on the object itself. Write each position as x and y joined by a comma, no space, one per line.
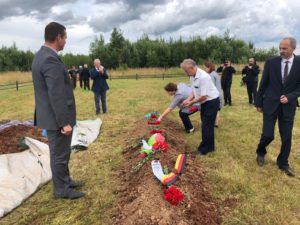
263,195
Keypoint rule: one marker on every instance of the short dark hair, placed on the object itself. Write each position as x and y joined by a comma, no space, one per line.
171,87
210,66
52,30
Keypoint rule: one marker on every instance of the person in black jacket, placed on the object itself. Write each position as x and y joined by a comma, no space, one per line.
100,86
73,76
250,77
85,76
226,80
277,99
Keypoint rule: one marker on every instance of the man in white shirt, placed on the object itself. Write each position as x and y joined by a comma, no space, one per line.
204,92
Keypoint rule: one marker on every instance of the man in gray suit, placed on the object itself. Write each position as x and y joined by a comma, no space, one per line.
55,108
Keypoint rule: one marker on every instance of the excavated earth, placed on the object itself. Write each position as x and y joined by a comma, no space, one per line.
140,197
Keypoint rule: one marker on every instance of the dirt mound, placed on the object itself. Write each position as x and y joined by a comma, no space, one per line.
10,138
140,196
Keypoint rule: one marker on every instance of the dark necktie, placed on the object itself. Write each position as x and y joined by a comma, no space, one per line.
286,71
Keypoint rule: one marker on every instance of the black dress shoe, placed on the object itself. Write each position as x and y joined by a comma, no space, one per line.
260,160
76,184
288,171
71,195
201,153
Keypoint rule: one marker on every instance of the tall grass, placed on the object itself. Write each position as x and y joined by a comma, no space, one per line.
263,195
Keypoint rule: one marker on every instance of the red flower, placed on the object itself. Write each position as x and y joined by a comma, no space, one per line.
173,195
193,109
153,116
155,131
163,146
154,123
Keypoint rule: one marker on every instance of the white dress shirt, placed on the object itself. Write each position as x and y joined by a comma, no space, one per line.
203,85
291,60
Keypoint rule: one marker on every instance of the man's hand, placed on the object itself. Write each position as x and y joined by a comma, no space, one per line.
186,103
283,99
259,109
66,130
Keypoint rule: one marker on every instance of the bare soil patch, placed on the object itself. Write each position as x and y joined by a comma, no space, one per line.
140,196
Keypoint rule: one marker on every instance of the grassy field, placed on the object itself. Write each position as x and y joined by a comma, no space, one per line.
262,195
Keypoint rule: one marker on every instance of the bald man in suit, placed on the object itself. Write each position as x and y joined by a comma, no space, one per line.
277,100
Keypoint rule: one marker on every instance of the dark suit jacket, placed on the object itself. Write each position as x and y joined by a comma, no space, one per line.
54,98
85,74
251,74
271,87
227,73
99,80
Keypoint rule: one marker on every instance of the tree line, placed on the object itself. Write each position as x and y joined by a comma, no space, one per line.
119,52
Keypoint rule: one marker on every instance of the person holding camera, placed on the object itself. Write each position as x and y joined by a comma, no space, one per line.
226,80
250,77
100,86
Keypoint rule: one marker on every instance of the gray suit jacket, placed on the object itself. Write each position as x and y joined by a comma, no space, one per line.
54,98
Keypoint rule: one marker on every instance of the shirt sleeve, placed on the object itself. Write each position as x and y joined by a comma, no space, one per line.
177,99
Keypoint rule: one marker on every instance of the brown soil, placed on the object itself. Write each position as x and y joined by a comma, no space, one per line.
10,138
140,197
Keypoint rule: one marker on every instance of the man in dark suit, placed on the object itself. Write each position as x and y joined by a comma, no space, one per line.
226,80
85,76
55,108
100,86
277,100
250,73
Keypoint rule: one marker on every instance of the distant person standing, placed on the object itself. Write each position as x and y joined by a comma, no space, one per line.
85,76
277,99
73,75
100,86
250,77
226,80
204,92
80,78
55,108
210,69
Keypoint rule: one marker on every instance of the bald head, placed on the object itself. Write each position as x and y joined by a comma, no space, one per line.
287,47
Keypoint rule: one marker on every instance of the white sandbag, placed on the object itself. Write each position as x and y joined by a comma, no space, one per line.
22,173
85,132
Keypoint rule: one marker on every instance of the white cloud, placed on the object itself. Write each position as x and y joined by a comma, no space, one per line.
263,22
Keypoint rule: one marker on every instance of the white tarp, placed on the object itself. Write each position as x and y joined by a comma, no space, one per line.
22,173
85,132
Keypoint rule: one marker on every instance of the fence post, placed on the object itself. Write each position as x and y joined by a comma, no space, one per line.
17,85
110,77
136,76
163,76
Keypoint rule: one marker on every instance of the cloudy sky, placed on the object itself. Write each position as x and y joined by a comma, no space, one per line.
264,22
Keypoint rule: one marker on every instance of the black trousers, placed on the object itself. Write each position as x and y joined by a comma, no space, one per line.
80,82
59,145
186,120
74,80
226,86
252,91
285,125
208,114
86,83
